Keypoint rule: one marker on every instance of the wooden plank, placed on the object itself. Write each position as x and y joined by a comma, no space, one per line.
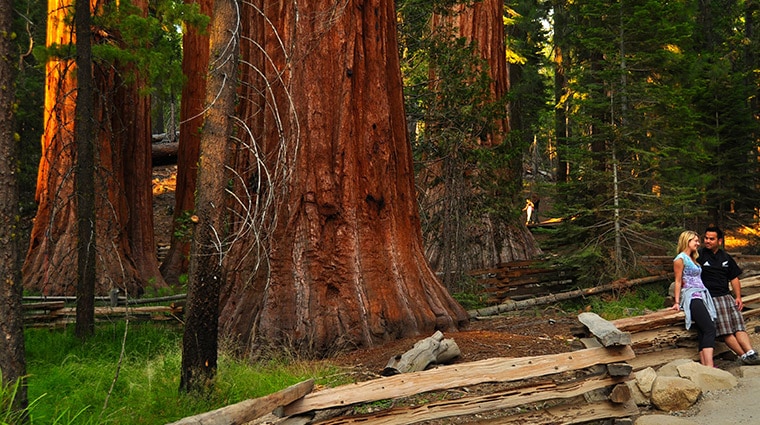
659,358
248,410
47,306
457,375
570,414
478,404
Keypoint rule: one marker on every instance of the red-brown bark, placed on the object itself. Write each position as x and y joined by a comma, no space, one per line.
344,263
124,235
194,68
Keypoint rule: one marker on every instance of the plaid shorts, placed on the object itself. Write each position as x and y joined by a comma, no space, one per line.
730,319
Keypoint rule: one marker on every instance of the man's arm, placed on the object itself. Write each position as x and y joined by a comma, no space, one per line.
737,288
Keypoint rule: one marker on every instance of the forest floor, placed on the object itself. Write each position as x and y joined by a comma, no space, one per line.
535,332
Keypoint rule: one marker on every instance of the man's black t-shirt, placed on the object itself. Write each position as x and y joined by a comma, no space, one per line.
718,270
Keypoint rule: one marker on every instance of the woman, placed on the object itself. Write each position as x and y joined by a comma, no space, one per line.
692,297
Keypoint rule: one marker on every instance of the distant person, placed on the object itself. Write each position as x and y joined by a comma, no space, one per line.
536,203
720,274
692,296
528,208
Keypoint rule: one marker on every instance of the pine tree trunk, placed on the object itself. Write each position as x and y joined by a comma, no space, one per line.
194,68
344,264
209,246
12,355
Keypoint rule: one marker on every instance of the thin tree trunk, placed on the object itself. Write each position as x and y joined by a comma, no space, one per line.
12,355
84,186
195,68
209,246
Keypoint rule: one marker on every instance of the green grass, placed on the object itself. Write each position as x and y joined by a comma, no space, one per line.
70,381
632,302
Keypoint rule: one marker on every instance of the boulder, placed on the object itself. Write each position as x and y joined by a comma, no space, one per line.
707,378
671,393
671,369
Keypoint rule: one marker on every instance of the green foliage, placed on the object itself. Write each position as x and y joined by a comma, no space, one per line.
630,303
183,229
28,23
71,378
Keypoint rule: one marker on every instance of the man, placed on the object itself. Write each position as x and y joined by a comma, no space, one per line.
720,274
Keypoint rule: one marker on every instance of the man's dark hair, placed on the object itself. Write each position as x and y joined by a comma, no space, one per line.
715,229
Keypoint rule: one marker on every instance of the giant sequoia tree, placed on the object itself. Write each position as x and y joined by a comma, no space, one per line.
325,168
125,257
469,164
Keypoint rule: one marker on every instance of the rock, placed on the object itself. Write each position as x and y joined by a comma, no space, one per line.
671,369
672,394
749,371
638,397
621,393
707,378
663,420
644,379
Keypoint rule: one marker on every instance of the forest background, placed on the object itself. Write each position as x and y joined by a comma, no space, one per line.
636,119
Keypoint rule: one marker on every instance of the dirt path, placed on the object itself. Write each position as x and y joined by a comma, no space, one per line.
737,406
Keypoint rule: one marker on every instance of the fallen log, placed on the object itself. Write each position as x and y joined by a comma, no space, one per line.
248,410
164,153
553,298
457,375
477,404
431,350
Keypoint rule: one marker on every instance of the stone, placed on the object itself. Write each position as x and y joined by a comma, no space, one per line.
644,379
671,369
673,393
707,378
638,397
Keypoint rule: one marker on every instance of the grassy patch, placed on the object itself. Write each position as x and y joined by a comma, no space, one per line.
72,380
632,302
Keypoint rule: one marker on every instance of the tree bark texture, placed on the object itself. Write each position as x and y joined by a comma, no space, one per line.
343,262
210,244
84,185
195,68
12,355
125,250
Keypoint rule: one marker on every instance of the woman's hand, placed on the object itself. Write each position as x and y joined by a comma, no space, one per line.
676,307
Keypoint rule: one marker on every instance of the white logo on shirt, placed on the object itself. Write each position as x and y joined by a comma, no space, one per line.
725,264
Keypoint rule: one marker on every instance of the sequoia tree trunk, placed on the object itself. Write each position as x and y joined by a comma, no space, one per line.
12,355
339,261
194,68
125,252
487,238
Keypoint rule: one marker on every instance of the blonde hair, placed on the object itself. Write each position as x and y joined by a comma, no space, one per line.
683,243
